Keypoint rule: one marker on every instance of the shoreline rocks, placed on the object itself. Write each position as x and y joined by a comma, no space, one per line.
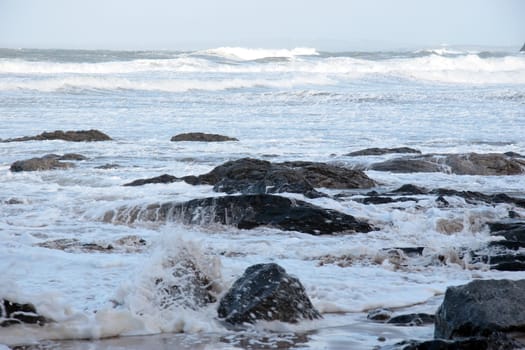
47,162
255,176
481,308
266,292
482,314
72,136
201,137
245,212
461,164
374,151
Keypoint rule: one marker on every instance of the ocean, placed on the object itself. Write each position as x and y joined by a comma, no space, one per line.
282,105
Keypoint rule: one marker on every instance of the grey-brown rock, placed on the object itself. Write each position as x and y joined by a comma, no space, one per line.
461,164
201,137
374,151
245,212
480,308
266,292
74,136
48,162
255,176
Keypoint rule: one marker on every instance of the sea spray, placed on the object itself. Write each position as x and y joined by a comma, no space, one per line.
175,290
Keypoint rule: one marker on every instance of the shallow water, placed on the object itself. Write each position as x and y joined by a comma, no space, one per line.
282,105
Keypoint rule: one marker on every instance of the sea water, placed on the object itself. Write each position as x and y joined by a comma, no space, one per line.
299,104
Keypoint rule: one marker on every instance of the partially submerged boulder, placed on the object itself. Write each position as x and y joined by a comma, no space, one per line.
74,136
461,164
266,292
374,151
245,212
254,176
201,137
481,308
47,162
12,313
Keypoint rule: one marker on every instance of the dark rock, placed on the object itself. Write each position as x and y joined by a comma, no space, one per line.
505,254
380,315
418,319
442,202
408,251
522,48
410,189
512,230
514,155
14,313
381,151
246,212
266,292
461,164
202,137
477,197
254,176
330,176
13,201
49,162
75,136
495,341
162,179
384,200
480,308
72,156
108,166
407,165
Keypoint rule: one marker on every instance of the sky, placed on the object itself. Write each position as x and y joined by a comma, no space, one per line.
323,24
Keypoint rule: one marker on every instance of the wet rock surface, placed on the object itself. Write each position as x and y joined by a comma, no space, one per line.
12,313
460,164
481,308
201,137
246,212
266,292
254,176
374,151
507,253
162,179
47,162
418,319
74,136
496,341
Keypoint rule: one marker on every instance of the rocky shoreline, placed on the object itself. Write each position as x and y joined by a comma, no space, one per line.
484,314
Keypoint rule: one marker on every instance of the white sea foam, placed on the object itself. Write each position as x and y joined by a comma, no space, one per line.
246,54
464,69
313,108
78,83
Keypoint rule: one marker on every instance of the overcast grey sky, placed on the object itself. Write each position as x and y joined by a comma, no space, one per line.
197,24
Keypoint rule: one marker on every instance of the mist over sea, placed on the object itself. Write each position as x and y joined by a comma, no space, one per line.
282,105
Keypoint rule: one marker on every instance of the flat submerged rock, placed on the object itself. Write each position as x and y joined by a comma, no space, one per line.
201,137
461,164
73,136
255,176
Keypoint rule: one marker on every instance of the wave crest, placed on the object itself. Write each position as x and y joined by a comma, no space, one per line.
246,54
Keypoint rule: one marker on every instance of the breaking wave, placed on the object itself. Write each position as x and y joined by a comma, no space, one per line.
246,54
230,67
